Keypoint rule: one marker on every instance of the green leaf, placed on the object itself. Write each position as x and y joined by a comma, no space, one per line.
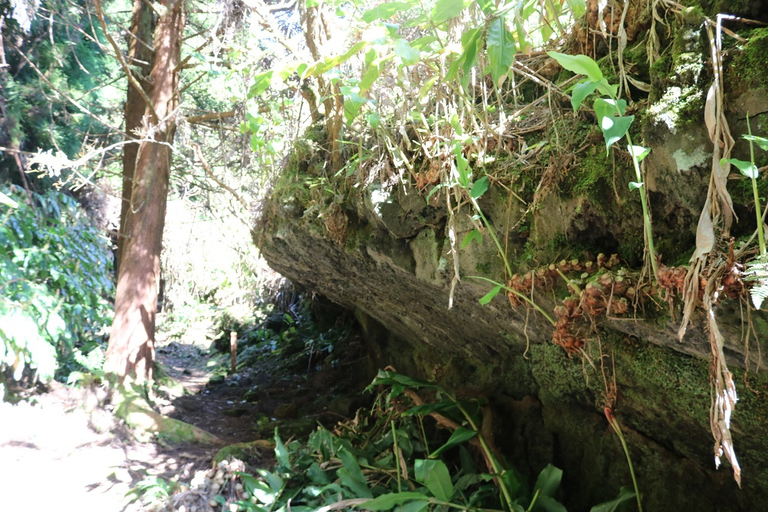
373,119
281,452
608,89
634,185
548,504
424,409
638,152
274,481
579,64
760,141
260,84
479,188
548,481
424,91
351,476
475,234
384,11
581,91
501,49
434,474
370,76
614,128
414,506
625,494
460,435
748,169
4,199
488,297
319,68
462,165
407,54
444,10
387,501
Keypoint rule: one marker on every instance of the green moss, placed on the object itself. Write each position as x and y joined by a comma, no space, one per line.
483,269
592,176
748,66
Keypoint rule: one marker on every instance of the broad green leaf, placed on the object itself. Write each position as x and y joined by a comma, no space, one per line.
625,494
614,128
581,91
608,89
578,8
760,141
424,91
470,41
447,9
549,504
4,199
281,452
748,169
468,57
317,475
373,119
384,11
319,68
434,474
488,297
260,84
501,49
548,481
579,64
387,501
274,481
609,107
634,185
638,152
475,234
424,409
407,54
460,435
369,78
480,187
358,487
414,506
388,378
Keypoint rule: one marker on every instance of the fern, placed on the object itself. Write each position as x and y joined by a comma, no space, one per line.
757,272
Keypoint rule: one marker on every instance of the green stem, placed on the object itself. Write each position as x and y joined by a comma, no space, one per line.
644,203
518,294
397,457
493,235
617,428
488,453
753,175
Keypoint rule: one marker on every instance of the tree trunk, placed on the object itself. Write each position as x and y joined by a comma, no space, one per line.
140,56
131,349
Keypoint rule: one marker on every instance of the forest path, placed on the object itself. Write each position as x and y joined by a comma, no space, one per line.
63,449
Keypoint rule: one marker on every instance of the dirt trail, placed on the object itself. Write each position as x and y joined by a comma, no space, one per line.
63,449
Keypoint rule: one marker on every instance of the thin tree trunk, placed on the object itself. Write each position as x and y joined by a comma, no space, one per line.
140,55
131,350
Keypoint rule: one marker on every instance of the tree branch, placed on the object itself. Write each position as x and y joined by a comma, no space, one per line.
128,73
211,116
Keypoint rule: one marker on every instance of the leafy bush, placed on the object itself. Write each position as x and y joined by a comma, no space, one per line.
55,272
386,460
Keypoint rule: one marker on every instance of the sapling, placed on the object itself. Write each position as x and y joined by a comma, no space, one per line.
610,111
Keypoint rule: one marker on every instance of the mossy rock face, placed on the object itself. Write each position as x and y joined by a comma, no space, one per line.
395,269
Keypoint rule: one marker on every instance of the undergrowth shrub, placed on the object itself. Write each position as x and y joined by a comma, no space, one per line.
55,275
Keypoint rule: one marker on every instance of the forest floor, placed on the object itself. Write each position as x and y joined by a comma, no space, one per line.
62,448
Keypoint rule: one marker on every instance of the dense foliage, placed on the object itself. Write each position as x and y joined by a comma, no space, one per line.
55,276
56,84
